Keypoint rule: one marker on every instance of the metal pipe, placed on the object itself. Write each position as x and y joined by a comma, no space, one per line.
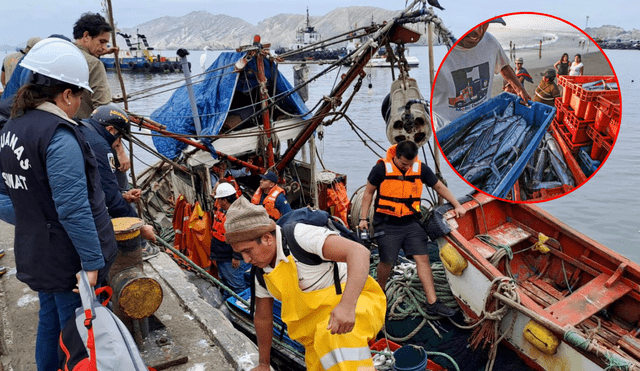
182,53
152,125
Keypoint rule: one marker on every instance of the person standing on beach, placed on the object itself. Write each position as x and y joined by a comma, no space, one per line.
562,66
521,72
399,178
465,78
577,68
547,91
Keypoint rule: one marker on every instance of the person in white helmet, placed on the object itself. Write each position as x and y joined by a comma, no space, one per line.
62,224
230,265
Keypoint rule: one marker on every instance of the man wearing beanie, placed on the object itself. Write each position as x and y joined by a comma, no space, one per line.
334,328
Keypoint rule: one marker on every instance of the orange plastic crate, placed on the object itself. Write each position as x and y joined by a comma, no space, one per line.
568,153
614,127
578,98
544,194
577,129
608,114
560,109
601,144
382,344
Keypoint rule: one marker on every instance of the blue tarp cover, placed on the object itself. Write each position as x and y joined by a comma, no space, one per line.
213,98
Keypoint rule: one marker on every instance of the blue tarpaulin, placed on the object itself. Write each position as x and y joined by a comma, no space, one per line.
214,96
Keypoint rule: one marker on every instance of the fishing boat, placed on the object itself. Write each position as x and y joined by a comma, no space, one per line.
138,56
559,299
249,117
381,59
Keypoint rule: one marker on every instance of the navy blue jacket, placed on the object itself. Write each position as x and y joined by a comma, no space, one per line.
62,224
100,141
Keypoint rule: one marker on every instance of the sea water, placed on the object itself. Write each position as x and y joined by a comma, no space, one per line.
605,208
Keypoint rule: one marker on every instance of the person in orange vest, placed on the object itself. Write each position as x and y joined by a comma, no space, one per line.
221,171
231,268
271,196
399,178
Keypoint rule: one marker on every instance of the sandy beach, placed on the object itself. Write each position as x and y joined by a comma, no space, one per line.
595,62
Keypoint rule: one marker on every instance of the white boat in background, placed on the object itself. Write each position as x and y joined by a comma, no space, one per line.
380,60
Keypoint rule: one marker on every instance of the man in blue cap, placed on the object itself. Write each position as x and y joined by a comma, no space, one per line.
271,196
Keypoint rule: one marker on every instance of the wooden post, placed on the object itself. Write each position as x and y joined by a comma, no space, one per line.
124,94
436,153
540,50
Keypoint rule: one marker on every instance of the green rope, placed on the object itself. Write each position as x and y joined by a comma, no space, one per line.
406,297
612,360
445,355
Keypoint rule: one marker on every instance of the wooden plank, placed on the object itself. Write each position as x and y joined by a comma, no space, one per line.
509,234
631,345
542,297
587,300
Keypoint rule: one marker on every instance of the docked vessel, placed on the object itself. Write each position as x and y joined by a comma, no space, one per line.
559,299
138,56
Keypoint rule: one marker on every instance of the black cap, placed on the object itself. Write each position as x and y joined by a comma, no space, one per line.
498,20
549,73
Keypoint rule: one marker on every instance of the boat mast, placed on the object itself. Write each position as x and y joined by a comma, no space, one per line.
264,96
381,37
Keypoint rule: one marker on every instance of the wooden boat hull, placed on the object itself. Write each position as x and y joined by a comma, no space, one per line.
605,284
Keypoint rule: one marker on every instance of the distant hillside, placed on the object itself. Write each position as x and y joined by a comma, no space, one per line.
612,33
199,29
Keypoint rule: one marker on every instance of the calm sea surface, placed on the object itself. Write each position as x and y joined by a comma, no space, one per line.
605,208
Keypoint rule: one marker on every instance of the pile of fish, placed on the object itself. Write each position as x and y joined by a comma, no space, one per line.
546,169
600,85
484,151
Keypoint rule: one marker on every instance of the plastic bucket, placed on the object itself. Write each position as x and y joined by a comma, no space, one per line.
410,358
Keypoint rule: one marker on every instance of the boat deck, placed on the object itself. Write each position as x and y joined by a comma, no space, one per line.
578,283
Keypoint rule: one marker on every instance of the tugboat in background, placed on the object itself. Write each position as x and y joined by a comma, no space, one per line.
305,37
139,57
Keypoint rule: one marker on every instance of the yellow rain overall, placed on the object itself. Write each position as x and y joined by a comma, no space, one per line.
307,316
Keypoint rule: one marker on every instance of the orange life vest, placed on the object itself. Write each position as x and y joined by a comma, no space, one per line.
269,202
217,230
399,194
235,185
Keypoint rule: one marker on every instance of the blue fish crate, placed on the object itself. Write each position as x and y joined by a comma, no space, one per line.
277,308
587,164
537,115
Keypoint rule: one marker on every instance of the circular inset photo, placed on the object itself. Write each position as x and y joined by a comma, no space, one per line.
525,107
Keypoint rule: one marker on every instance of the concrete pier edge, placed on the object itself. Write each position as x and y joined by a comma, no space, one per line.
238,349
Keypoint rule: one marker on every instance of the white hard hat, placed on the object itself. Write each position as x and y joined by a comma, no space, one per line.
224,190
60,60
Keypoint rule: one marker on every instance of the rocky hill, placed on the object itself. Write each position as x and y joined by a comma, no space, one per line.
199,29
612,33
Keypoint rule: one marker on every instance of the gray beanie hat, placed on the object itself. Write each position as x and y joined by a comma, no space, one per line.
246,221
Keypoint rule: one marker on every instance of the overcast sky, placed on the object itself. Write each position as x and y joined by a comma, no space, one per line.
22,19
